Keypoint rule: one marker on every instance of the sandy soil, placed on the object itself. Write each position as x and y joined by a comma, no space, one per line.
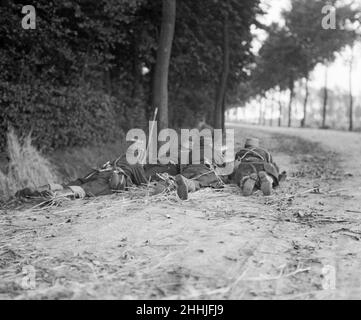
301,243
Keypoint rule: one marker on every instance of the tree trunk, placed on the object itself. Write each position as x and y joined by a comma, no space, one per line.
224,111
221,92
260,112
325,99
280,117
305,103
280,109
351,94
273,101
292,94
160,84
136,67
264,113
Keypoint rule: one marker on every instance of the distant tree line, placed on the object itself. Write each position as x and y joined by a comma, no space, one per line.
271,110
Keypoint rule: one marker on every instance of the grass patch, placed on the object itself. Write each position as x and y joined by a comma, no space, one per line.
27,167
77,162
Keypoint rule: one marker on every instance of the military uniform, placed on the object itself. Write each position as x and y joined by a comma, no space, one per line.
254,160
255,169
117,175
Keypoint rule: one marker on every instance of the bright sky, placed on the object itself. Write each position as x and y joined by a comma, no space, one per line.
338,71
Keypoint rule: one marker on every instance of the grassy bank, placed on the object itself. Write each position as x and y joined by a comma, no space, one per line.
24,166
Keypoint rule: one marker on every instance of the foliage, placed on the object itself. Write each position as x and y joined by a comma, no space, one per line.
197,50
58,80
62,116
79,77
320,45
280,62
292,51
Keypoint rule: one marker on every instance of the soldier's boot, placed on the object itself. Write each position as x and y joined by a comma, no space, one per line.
28,193
248,184
71,192
185,186
41,192
266,183
117,181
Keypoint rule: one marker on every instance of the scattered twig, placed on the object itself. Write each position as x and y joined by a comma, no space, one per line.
315,190
353,211
280,276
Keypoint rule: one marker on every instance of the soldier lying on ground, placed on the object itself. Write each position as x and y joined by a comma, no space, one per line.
203,173
112,177
119,175
256,169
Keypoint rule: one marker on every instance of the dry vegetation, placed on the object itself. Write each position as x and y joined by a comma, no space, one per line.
27,167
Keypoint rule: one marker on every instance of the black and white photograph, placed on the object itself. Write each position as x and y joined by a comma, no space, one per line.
186,151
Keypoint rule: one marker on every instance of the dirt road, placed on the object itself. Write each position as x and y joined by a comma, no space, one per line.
303,242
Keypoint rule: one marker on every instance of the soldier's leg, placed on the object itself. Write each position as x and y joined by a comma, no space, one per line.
98,185
248,184
246,177
194,177
266,182
184,186
40,192
152,172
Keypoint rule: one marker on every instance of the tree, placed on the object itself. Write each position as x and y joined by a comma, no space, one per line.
325,98
319,45
160,86
290,101
98,67
280,63
280,109
351,99
305,102
221,92
292,51
211,57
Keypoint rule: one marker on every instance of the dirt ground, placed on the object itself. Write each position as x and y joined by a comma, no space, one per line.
303,242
